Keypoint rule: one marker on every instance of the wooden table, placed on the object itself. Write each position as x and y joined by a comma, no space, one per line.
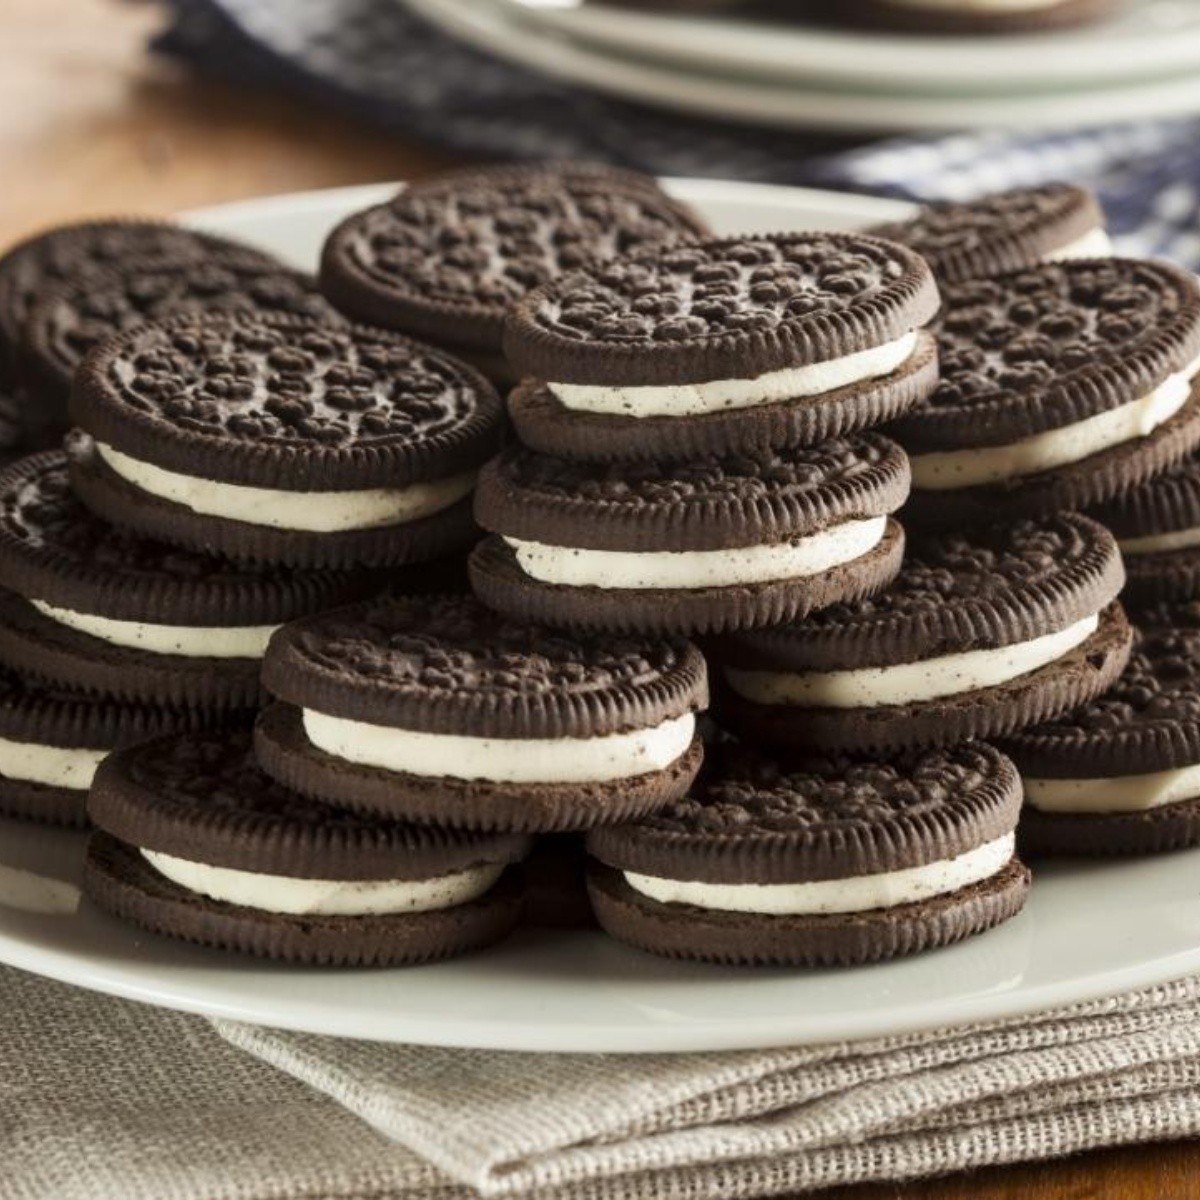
89,125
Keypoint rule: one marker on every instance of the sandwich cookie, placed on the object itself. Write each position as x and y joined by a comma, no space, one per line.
979,635
827,863
968,17
1062,386
713,544
1158,527
445,259
34,269
740,345
1004,231
52,741
64,326
1121,775
92,608
434,709
283,441
193,841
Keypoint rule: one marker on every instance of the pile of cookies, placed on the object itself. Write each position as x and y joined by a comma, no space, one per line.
867,488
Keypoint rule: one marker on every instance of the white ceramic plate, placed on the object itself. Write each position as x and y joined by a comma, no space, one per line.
1089,929
1148,38
840,107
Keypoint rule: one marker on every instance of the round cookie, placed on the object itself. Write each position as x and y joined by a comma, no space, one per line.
970,19
283,441
703,546
434,709
444,259
729,346
980,634
1003,231
1121,775
92,608
830,862
1062,386
64,326
194,842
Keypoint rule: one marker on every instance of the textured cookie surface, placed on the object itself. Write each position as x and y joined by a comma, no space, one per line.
446,258
731,309
287,404
1004,231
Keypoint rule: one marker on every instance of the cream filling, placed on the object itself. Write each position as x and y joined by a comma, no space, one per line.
311,512
1094,244
1161,543
54,766
190,641
903,683
616,569
693,399
503,760
1121,793
324,897
860,893
945,470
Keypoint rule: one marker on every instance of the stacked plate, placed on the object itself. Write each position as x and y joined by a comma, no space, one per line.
1142,64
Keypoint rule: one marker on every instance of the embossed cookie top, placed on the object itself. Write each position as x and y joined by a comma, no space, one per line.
736,308
1005,231
755,819
289,404
1053,345
709,503
446,259
201,796
447,664
955,593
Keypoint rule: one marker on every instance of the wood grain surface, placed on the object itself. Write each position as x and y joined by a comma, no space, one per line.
91,125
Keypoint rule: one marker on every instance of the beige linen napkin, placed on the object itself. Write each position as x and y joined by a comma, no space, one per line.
105,1100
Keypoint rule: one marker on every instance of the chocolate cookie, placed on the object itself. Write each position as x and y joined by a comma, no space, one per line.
1004,231
712,544
978,635
1121,775
194,842
435,709
92,608
828,863
738,345
969,19
284,441
51,742
556,895
444,260
1062,386
40,265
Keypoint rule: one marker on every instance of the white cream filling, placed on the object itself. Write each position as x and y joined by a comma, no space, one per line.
324,897
616,569
903,683
692,399
311,512
1094,244
190,641
55,766
856,894
503,760
944,470
1161,543
1121,793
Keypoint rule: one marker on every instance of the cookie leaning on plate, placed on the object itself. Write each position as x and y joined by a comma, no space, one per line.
829,863
1003,231
743,344
434,709
703,546
283,441
1062,386
96,609
194,842
977,636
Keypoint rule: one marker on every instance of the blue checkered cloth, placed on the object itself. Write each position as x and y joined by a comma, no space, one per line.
379,63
